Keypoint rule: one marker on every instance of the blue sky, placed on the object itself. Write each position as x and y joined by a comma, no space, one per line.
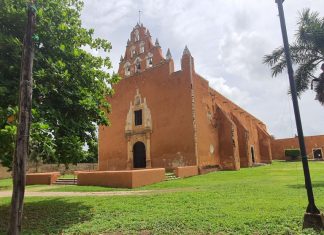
228,39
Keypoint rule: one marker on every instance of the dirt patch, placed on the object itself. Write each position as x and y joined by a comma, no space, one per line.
87,194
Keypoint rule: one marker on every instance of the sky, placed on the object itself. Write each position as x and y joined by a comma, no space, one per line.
228,39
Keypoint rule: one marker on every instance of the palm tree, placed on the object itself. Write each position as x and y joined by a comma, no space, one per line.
307,53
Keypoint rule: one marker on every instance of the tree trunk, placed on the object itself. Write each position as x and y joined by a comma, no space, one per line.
23,129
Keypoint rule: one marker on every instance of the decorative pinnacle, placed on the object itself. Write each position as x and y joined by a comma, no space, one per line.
157,44
121,58
168,54
128,42
186,51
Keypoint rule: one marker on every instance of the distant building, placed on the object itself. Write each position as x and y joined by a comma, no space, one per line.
166,118
314,147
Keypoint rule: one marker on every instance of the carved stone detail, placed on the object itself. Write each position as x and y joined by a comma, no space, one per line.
140,132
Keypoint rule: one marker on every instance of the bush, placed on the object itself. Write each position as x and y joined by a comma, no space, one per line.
292,154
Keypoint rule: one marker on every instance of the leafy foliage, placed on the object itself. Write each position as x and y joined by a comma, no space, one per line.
292,154
70,84
307,52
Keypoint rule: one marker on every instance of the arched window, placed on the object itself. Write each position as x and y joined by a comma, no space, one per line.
133,51
136,35
127,69
142,48
138,65
149,61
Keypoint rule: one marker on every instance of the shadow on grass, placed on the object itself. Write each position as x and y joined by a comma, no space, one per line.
302,185
48,216
3,188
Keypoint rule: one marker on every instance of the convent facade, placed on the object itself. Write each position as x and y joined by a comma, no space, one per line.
166,118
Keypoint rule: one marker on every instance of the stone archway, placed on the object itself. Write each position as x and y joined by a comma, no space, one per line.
138,128
139,155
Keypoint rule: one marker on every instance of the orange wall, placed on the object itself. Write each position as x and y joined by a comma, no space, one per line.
168,97
250,131
278,146
122,179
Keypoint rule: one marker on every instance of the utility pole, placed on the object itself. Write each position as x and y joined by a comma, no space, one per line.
312,218
24,122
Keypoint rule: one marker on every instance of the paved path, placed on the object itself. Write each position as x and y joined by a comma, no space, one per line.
82,194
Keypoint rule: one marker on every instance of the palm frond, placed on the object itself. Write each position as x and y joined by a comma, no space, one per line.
319,89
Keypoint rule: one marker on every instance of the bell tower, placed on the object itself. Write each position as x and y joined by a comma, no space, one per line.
140,54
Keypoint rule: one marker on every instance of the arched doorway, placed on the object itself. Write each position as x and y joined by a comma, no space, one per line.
139,155
252,154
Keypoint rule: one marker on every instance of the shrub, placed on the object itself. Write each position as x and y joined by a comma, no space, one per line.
292,154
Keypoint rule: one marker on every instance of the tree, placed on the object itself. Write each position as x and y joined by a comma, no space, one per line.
23,126
42,146
70,83
307,53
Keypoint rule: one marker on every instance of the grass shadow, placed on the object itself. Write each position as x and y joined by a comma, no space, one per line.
47,216
302,185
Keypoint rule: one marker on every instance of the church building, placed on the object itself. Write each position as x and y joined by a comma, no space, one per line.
163,118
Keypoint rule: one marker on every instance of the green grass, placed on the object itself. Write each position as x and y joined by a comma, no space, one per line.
261,200
5,184
67,176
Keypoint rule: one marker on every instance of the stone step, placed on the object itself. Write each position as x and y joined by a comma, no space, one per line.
170,176
66,181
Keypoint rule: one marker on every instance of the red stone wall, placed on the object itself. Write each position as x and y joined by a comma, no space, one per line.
122,179
42,178
207,133
207,101
186,171
168,97
228,142
278,146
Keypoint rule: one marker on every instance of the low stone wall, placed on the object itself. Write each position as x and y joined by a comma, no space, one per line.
4,173
186,171
61,168
42,178
122,179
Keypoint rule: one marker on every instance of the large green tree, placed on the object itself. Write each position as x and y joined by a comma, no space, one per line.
70,83
307,53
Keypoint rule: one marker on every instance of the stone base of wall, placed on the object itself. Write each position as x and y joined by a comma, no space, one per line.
205,170
42,178
122,179
186,171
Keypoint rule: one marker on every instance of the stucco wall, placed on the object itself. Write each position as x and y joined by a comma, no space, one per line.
168,97
122,179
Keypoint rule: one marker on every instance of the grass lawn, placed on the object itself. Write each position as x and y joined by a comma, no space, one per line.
262,200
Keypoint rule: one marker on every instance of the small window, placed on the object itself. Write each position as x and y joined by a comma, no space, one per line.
142,48
127,70
138,66
136,36
149,62
133,53
138,117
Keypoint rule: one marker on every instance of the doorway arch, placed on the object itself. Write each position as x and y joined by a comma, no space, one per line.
252,154
139,155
